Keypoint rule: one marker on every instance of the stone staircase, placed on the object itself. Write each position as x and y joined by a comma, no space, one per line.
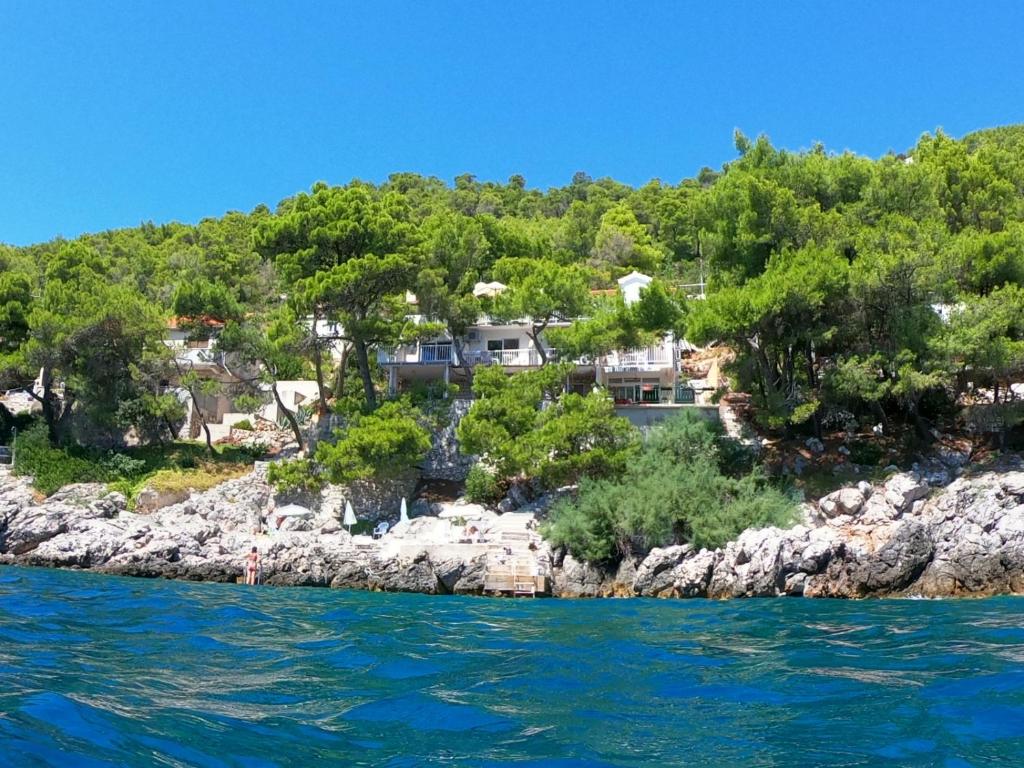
517,561
736,428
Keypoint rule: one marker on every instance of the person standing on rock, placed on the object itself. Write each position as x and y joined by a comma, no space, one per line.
252,566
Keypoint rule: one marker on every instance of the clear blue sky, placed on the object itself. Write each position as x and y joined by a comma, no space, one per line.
116,113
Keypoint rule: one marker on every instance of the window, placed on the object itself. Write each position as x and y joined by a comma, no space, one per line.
497,345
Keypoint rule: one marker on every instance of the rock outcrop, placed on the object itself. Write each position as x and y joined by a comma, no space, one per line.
905,537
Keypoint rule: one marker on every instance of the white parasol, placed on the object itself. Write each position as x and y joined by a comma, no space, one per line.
292,510
350,516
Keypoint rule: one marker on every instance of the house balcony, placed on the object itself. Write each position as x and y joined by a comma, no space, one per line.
445,354
418,354
509,358
639,359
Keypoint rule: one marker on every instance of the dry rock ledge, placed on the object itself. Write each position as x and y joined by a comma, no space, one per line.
918,534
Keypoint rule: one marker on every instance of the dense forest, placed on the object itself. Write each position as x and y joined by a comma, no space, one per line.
850,289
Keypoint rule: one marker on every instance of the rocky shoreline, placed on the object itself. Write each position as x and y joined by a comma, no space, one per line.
955,531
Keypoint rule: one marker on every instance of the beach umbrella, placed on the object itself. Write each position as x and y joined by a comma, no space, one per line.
404,518
350,516
292,510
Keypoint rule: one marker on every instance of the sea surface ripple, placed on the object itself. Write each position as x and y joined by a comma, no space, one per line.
104,671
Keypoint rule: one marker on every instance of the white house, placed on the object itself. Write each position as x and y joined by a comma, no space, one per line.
641,377
632,285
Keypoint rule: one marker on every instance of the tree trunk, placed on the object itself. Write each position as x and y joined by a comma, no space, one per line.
879,412
64,419
288,415
535,338
318,365
206,430
460,356
339,376
47,401
812,383
170,429
202,419
920,425
363,359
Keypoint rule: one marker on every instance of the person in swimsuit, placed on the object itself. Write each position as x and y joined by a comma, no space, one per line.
252,566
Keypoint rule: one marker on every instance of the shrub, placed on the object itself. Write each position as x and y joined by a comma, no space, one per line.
298,475
482,486
51,468
676,491
526,425
244,424
377,444
122,465
866,452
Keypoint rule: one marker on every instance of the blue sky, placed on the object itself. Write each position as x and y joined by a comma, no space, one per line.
116,113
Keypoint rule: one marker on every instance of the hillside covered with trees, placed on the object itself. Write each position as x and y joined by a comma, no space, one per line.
849,289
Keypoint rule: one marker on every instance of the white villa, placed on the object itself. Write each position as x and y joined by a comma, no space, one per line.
645,382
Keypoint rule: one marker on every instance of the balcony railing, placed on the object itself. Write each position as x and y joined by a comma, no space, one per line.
640,358
510,358
422,354
416,354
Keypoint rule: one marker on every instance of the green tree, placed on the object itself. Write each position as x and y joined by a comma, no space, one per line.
101,342
378,444
623,243
779,322
455,251
543,291
526,426
15,306
344,255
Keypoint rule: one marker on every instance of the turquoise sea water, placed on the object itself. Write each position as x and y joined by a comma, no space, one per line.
103,671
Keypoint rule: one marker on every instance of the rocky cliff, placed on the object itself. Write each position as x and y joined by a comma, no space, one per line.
917,534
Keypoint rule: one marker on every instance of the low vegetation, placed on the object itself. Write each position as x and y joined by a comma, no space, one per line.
689,484
128,470
171,480
482,486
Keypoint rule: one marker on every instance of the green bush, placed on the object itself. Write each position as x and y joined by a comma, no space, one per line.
866,452
677,491
244,424
298,475
126,471
482,486
687,437
122,465
51,468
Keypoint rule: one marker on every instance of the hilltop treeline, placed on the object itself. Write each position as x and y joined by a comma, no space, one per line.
848,287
